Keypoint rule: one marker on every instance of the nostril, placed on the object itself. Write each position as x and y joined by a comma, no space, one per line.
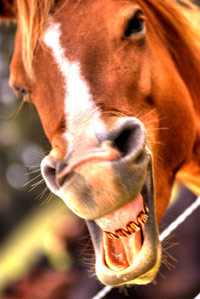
60,165
124,141
49,174
51,169
129,138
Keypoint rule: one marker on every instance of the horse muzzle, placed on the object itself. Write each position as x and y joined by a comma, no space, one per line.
112,188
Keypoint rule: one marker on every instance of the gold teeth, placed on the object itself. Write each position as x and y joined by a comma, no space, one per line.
142,218
132,227
111,235
122,233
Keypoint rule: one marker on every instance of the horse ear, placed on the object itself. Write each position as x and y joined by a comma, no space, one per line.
8,10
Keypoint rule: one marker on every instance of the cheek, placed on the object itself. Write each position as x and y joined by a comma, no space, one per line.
176,118
177,130
48,93
51,113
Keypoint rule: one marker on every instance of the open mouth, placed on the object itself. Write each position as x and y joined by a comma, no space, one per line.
122,244
126,241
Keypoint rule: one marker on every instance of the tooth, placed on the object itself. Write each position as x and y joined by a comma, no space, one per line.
111,235
126,233
142,218
121,233
132,227
146,208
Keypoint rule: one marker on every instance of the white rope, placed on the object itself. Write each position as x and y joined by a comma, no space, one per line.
180,219
197,296
103,292
162,236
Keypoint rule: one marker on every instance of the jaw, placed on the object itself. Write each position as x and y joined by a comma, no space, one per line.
132,259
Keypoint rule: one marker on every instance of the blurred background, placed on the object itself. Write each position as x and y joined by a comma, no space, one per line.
45,251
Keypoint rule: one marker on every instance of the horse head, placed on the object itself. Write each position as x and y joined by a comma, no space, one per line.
115,86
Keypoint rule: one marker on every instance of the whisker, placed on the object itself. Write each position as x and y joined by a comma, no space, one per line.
161,128
48,199
32,185
33,166
158,157
150,112
162,275
32,180
171,256
157,142
168,264
87,246
166,245
39,197
33,171
39,154
36,185
123,290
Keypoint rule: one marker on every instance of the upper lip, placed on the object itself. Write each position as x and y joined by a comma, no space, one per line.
106,153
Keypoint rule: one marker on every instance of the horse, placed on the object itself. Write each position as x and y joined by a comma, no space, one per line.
116,86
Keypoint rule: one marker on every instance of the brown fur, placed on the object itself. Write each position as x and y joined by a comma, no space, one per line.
178,44
153,77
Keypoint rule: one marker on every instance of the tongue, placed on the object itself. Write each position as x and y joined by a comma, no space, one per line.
122,216
120,253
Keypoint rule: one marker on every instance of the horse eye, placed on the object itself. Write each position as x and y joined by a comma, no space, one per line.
136,24
21,93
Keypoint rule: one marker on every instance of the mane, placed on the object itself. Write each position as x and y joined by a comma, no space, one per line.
32,17
178,28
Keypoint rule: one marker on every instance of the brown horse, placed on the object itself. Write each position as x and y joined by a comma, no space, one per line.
116,85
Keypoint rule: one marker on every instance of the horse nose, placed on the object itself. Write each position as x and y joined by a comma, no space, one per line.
126,142
129,137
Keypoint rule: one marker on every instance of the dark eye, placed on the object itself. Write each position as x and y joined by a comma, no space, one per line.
21,93
136,24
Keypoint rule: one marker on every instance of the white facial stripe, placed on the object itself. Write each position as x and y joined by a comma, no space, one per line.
81,112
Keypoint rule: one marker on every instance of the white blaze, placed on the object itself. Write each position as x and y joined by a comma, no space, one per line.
81,112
